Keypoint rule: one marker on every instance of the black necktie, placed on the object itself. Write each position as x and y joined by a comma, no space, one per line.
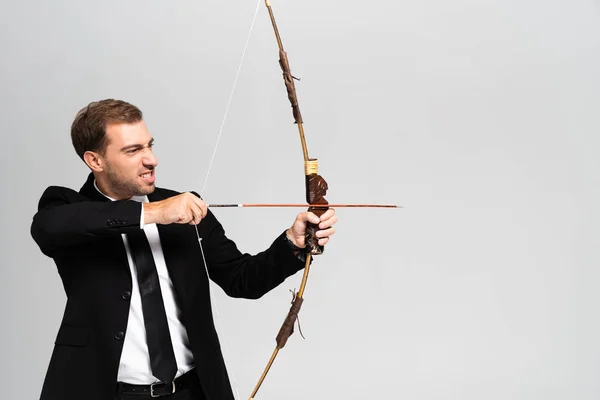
162,357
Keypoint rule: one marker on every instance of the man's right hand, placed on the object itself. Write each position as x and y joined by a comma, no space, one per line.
184,208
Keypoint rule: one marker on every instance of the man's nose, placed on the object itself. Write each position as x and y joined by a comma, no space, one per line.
150,159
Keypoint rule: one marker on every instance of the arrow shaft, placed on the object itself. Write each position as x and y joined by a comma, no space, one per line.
275,205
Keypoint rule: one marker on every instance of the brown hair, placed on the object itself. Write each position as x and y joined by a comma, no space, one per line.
88,131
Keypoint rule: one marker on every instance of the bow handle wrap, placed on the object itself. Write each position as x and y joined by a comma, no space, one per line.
316,189
287,328
288,79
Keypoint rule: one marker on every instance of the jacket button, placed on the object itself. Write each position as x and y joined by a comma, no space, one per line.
126,295
119,335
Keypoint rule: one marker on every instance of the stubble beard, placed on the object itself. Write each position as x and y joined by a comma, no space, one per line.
125,186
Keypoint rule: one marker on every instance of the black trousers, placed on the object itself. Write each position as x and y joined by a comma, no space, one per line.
192,391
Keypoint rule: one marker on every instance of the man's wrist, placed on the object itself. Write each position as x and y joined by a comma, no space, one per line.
150,213
291,243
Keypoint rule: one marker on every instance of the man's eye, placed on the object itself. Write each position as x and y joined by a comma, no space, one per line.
131,151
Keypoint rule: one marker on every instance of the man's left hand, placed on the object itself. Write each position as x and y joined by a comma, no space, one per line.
325,223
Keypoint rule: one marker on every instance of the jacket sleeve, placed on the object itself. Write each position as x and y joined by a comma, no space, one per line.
241,274
65,218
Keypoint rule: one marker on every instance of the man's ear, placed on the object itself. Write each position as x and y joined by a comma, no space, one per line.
94,161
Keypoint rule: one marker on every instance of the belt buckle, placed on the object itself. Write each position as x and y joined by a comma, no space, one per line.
163,394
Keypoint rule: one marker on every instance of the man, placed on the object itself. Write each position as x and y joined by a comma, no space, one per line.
138,321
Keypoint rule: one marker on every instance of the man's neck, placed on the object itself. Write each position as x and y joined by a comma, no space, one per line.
136,198
102,192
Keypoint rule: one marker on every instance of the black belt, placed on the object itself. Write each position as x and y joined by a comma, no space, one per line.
157,389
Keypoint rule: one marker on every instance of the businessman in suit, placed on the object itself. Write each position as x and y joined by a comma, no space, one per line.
138,322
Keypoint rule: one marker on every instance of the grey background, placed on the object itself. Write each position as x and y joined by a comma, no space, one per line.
480,117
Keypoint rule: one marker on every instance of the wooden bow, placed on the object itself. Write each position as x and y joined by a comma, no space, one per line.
316,188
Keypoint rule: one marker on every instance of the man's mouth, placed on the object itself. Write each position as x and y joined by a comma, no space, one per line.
148,176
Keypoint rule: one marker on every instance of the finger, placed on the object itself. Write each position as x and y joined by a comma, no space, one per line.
323,242
200,203
328,214
194,211
325,233
197,214
194,218
201,207
304,217
328,223
201,212
204,208
309,216
184,217
324,236
193,205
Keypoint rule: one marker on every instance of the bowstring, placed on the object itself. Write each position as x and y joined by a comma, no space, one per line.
212,298
237,75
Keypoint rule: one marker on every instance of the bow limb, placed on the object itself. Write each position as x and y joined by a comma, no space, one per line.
288,79
287,328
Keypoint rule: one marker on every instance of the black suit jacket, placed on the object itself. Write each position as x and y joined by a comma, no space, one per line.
82,231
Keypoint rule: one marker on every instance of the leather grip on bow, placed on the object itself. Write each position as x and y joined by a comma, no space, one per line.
288,78
288,324
316,189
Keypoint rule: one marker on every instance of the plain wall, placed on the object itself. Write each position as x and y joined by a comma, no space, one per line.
479,117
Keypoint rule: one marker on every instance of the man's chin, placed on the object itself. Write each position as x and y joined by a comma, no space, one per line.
144,190
148,189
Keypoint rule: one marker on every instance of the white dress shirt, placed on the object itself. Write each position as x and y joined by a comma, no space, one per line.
135,366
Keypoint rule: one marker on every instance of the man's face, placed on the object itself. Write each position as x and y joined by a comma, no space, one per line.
129,162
